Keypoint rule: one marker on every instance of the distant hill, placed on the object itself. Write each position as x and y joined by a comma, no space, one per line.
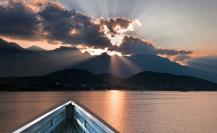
156,63
73,76
120,66
97,64
6,47
161,81
77,79
73,79
36,49
15,60
64,49
109,78
10,48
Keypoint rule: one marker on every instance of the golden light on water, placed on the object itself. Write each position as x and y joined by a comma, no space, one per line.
115,105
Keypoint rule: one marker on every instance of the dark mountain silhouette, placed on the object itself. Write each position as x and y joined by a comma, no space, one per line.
74,76
36,49
98,64
127,66
67,54
109,64
66,49
87,54
163,65
109,79
156,63
10,48
17,61
161,81
76,79
63,58
6,47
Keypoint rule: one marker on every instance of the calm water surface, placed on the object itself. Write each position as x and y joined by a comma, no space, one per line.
127,111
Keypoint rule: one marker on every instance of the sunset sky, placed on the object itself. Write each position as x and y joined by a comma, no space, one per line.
188,27
190,24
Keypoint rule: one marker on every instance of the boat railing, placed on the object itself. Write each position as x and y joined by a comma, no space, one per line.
67,116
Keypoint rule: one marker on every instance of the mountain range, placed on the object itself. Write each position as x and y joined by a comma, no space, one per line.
77,79
35,61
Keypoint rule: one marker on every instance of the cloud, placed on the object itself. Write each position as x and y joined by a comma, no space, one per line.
181,56
18,21
172,52
36,5
207,63
133,45
71,27
51,21
115,24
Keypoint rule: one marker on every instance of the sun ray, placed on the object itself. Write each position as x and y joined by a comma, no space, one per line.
108,8
120,63
132,66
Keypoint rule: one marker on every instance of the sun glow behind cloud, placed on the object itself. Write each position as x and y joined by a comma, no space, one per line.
117,32
116,23
171,24
117,39
98,51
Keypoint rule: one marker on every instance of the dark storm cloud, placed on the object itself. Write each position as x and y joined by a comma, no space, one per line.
207,63
133,45
182,57
18,21
52,22
71,27
178,55
172,52
113,22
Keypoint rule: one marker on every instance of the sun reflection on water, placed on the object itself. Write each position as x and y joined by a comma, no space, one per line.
115,106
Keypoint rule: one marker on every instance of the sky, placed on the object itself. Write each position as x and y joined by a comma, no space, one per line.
171,28
188,24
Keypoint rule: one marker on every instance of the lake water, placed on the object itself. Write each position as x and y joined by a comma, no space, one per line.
127,111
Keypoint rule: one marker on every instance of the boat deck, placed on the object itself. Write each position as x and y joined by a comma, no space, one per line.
70,129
